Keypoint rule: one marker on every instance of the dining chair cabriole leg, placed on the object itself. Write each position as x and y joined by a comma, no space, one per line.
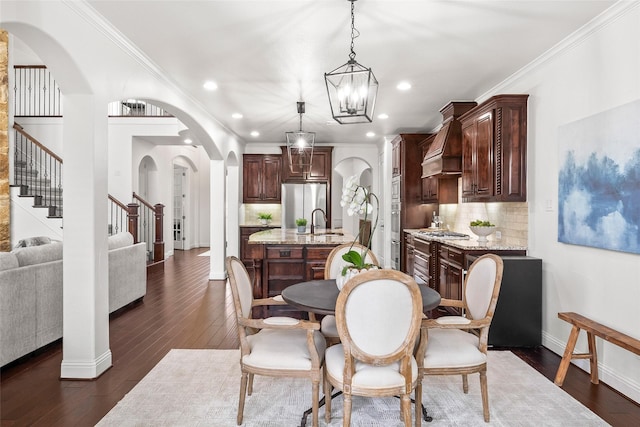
327,396
346,420
485,395
243,393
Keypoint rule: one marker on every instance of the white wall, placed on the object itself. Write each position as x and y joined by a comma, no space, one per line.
594,70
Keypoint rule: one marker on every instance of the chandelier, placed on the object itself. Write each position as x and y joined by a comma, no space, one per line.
352,87
300,147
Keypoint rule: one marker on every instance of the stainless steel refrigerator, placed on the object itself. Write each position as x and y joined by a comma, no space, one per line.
299,200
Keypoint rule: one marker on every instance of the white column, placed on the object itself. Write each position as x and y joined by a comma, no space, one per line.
217,232
85,349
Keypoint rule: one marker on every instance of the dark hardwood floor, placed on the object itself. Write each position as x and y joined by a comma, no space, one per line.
182,309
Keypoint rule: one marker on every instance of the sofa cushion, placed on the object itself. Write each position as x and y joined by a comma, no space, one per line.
39,254
120,240
33,241
8,261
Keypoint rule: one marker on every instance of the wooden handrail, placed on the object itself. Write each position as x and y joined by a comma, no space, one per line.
117,202
21,130
143,201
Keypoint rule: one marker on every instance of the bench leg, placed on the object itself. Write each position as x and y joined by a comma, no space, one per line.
566,358
593,357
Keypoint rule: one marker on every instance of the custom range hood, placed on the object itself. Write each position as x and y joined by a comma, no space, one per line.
444,155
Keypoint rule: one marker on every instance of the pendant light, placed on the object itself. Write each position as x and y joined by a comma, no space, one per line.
300,147
352,88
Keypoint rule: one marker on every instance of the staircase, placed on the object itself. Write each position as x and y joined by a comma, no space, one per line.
33,184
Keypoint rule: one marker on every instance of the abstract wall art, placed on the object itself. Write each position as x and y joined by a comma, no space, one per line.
599,180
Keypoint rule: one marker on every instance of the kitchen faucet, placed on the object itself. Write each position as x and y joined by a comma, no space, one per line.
324,215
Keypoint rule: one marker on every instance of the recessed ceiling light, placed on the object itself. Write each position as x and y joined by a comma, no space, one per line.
383,116
255,133
210,85
188,141
404,86
371,134
237,115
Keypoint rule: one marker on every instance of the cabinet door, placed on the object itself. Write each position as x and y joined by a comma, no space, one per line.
430,190
484,156
252,179
468,160
320,166
271,183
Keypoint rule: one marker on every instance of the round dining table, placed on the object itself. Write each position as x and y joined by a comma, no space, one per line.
320,296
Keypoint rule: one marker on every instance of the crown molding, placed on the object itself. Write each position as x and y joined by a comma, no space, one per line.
607,17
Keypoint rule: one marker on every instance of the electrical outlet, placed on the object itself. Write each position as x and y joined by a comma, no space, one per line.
498,235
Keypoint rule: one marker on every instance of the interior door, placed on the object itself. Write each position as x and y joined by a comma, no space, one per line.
179,197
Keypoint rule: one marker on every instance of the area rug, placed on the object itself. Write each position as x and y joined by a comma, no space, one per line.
201,387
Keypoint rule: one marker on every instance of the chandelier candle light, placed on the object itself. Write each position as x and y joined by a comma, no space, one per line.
358,200
352,88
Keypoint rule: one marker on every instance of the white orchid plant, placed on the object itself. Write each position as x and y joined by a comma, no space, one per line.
359,200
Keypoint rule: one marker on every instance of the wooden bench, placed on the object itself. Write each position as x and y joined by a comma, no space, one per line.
593,329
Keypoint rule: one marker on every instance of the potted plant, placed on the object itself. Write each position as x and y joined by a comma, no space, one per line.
264,217
302,224
359,201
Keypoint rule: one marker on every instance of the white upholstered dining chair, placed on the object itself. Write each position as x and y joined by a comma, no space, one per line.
332,269
274,346
378,314
457,345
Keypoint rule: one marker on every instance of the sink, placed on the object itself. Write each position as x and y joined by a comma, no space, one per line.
329,233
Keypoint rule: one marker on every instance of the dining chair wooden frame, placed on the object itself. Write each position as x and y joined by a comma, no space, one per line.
462,350
257,356
332,269
378,314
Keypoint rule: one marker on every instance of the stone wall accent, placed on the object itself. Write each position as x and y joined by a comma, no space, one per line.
5,198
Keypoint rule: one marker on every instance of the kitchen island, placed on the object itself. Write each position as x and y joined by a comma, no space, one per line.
283,257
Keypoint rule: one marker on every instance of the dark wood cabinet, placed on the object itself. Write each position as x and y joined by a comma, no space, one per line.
321,166
406,189
409,253
261,177
450,274
494,150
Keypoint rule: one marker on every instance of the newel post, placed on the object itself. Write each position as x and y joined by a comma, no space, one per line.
132,219
158,244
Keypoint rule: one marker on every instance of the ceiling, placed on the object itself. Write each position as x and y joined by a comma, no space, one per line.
267,55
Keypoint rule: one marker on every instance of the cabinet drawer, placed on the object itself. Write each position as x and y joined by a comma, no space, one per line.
421,262
287,252
321,253
456,256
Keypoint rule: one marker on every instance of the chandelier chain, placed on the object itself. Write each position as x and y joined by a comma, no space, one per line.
354,32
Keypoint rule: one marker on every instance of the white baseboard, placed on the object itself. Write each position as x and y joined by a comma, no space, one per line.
86,370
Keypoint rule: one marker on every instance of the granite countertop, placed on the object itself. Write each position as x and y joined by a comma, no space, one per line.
289,236
472,243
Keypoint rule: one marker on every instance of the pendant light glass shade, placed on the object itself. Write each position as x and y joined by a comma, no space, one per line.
300,147
352,87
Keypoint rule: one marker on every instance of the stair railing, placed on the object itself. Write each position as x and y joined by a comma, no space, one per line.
150,228
38,172
123,217
36,93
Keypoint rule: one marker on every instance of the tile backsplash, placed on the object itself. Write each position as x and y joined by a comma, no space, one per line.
249,213
511,219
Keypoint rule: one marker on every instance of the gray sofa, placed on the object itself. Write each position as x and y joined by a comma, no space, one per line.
31,291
